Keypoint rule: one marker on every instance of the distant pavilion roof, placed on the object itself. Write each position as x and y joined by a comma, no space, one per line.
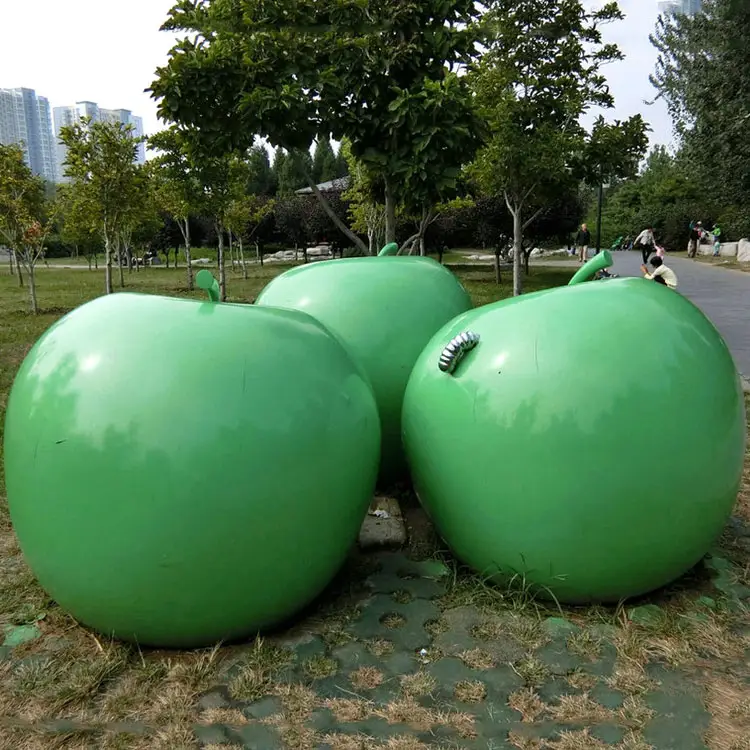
327,187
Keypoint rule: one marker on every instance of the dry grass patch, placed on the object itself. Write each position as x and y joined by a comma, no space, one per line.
434,628
630,677
393,621
54,685
348,710
229,716
470,692
634,712
528,703
477,658
579,740
531,670
367,678
728,700
419,683
524,743
407,711
585,644
379,647
401,596
255,675
320,667
581,681
579,709
298,703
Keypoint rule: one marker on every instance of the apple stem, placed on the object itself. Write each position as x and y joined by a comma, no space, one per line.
206,281
391,249
597,263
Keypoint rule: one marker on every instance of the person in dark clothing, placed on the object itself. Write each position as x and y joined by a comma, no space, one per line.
583,240
645,241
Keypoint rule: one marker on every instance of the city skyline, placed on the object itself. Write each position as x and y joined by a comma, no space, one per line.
681,7
28,120
25,120
68,115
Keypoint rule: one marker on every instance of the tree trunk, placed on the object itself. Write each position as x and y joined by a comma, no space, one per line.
32,288
177,256
422,250
498,275
129,256
188,260
259,254
222,269
96,261
517,252
88,258
11,269
242,258
108,265
19,270
526,259
334,217
390,213
120,266
231,249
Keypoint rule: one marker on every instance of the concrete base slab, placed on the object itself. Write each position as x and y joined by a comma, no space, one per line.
384,526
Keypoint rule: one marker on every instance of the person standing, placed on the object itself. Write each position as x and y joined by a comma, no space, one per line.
716,232
583,240
645,241
696,235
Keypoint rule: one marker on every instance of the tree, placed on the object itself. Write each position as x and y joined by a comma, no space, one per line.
23,221
177,186
324,165
702,75
541,72
292,172
101,164
261,178
72,214
378,74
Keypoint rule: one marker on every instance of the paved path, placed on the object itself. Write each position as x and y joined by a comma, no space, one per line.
722,294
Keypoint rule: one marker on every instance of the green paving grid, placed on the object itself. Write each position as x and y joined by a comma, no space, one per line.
401,605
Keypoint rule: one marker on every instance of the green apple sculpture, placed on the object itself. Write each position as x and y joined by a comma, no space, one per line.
589,440
384,310
181,472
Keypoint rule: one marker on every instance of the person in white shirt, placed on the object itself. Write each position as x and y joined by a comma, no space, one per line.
661,274
646,242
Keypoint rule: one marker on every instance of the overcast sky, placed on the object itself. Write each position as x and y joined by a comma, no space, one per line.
106,52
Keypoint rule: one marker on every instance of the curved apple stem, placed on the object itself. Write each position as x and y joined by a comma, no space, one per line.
391,249
597,263
206,281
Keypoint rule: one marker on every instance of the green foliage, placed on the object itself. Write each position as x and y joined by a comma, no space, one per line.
702,74
292,170
101,165
666,195
293,71
541,72
324,163
23,220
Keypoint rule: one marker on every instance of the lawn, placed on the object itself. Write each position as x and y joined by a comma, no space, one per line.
450,662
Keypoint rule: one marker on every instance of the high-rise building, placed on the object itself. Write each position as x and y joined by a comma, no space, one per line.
683,7
25,120
66,116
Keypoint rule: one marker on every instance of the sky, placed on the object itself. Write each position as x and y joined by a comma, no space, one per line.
106,52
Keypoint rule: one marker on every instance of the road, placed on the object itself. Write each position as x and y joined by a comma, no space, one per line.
722,294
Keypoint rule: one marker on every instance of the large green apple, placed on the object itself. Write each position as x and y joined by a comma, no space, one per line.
181,472
591,441
385,310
